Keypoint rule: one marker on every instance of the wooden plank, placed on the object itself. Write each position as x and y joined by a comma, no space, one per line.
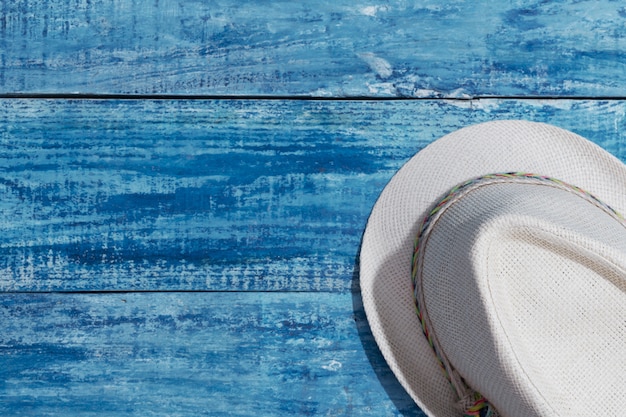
173,354
339,48
219,195
185,195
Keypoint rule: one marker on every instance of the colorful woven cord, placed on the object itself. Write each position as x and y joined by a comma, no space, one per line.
478,407
475,404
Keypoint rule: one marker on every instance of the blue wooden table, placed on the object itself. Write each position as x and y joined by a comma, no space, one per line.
184,184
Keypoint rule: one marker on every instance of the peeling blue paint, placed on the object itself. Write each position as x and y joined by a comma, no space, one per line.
216,240
228,195
428,49
177,354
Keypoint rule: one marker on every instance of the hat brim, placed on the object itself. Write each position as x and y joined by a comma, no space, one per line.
387,246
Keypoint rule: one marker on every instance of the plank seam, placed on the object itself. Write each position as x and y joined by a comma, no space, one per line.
191,97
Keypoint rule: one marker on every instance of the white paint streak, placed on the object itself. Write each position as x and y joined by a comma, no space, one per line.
380,66
384,89
372,11
333,365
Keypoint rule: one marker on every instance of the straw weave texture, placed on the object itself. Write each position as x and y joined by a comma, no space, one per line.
531,321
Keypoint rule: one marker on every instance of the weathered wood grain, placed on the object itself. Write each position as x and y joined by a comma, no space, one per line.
265,200
193,354
337,48
219,195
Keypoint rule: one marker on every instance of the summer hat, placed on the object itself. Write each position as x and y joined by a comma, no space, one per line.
493,274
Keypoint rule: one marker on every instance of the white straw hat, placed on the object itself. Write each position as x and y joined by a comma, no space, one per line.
501,245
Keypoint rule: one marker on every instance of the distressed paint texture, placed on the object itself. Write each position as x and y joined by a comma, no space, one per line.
219,195
214,243
341,48
191,354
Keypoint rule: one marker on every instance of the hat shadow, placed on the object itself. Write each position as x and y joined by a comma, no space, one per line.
396,393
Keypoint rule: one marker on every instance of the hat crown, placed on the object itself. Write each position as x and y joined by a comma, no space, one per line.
386,288
522,282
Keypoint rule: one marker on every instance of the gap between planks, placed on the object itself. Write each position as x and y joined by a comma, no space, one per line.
201,97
